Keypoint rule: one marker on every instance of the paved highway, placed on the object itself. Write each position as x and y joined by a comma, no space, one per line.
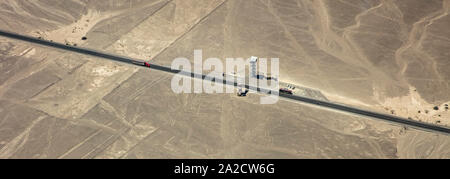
392,119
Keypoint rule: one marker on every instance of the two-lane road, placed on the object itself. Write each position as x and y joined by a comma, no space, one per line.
324,104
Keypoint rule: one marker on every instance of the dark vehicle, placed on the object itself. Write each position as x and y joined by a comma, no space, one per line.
260,77
242,93
286,91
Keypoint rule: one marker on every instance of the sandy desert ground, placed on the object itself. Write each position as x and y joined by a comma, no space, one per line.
384,55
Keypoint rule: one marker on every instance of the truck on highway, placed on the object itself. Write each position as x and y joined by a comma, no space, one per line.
286,91
141,63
